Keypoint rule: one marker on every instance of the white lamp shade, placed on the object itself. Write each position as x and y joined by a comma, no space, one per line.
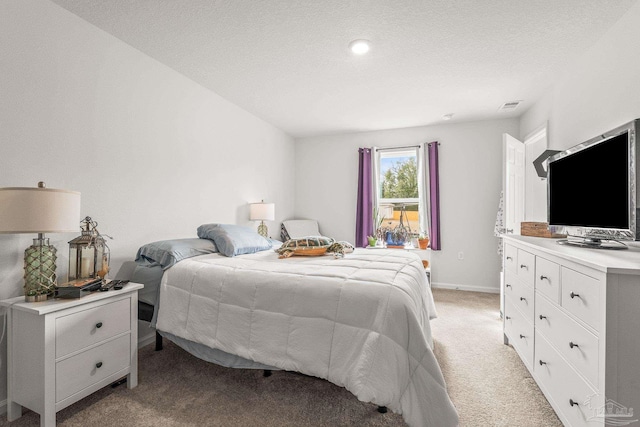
38,210
262,211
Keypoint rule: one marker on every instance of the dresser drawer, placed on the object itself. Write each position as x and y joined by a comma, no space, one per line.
519,331
580,296
521,295
578,346
526,267
84,328
569,393
89,367
548,279
510,258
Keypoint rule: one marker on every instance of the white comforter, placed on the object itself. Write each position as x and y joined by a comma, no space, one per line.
361,322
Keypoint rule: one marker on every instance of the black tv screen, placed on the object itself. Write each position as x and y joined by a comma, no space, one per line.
590,188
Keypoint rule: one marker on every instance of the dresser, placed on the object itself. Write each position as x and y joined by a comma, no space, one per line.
573,316
62,350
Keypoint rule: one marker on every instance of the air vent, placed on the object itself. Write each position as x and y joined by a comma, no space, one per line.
508,106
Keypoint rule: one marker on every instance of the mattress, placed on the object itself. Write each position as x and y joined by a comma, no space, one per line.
361,322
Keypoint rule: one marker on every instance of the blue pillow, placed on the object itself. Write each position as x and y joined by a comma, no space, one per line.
232,240
168,252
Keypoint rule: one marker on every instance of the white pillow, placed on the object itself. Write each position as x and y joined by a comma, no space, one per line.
297,228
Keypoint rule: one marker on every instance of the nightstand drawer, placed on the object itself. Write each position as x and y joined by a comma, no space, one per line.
82,370
79,330
526,267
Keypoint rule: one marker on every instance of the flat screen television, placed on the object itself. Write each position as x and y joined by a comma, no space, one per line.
591,189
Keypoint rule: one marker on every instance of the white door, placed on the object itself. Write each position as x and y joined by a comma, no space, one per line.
514,191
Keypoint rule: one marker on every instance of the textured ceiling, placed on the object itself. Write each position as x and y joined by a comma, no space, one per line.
288,62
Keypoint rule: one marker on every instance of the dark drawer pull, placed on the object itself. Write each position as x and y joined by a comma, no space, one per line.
571,344
508,285
507,317
522,336
524,266
99,365
542,363
573,402
572,295
99,325
544,278
509,258
523,299
542,317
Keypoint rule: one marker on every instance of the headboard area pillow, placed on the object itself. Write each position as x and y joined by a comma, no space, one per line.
232,240
298,228
167,252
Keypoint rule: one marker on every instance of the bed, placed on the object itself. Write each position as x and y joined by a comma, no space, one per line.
361,322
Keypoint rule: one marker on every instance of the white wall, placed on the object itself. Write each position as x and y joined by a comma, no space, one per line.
470,182
153,153
599,92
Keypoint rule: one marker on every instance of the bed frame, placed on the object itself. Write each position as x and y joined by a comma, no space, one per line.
145,312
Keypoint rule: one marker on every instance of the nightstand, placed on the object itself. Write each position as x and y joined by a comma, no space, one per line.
62,350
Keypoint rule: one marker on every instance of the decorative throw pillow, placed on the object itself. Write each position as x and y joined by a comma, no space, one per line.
232,240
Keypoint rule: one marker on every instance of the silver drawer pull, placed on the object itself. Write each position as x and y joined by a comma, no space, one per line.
572,344
542,317
573,402
98,325
544,278
542,363
524,266
573,295
99,365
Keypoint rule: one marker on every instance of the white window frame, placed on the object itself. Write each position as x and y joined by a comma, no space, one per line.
419,152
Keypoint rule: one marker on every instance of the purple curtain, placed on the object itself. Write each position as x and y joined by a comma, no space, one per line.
364,209
434,196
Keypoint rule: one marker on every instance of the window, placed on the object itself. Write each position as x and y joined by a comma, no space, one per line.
398,185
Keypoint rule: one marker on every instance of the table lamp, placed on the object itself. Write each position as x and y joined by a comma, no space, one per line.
262,212
39,210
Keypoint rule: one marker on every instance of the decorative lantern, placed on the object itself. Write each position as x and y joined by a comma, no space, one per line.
88,253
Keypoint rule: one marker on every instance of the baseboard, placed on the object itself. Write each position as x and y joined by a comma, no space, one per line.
468,288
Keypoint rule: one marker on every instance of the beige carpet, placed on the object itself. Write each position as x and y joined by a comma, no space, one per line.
486,380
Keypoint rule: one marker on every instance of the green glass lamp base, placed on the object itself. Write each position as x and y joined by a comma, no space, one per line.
40,268
262,229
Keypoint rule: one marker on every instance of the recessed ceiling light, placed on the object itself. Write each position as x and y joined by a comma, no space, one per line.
359,47
447,116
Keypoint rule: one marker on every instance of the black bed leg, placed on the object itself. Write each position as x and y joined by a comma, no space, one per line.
266,373
158,341
382,409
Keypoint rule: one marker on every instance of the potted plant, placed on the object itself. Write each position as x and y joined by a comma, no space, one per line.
423,241
373,240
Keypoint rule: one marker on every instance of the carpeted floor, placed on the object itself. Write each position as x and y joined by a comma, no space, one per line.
487,382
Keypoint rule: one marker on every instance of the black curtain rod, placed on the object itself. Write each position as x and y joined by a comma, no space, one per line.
403,147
